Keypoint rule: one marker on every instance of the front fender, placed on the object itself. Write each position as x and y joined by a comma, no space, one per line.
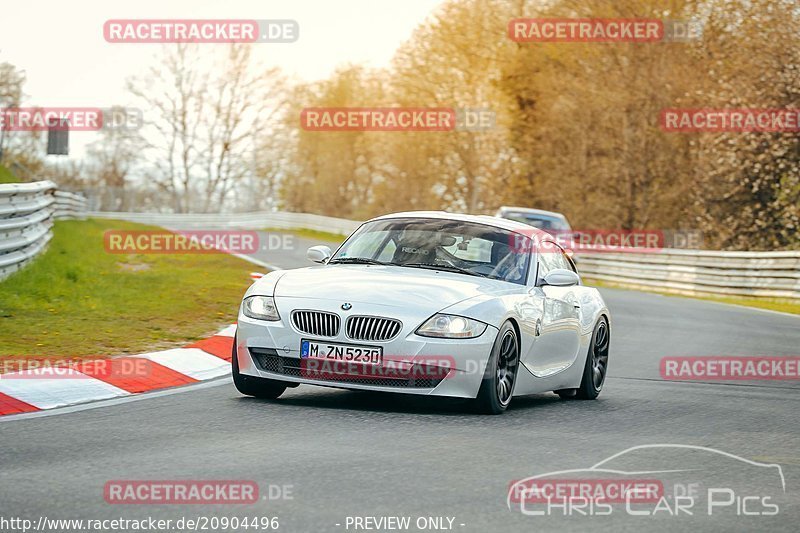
265,286
592,307
526,310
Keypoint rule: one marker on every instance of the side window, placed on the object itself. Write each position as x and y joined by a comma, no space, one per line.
570,262
542,269
548,257
561,259
552,257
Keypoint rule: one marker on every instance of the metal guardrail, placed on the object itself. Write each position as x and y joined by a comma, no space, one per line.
70,205
699,272
252,221
27,211
689,272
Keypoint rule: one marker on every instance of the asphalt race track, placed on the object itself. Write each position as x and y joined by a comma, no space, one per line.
364,454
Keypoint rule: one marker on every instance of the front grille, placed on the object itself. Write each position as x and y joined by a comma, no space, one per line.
317,323
372,328
269,361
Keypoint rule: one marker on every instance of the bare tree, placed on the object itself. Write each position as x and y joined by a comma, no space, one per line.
243,105
11,82
112,160
172,95
203,114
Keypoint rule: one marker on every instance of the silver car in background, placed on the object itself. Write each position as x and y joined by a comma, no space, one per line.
549,221
555,224
428,303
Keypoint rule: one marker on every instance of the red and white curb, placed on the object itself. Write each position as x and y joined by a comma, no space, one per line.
28,390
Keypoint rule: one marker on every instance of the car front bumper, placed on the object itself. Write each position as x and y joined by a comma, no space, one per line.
272,350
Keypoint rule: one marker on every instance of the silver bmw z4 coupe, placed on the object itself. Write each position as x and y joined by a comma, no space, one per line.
428,303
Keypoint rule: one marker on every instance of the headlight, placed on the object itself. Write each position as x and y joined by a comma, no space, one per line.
451,327
261,307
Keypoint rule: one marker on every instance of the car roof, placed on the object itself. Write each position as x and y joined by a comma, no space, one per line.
532,211
487,220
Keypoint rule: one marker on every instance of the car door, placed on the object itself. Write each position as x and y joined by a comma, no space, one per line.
556,347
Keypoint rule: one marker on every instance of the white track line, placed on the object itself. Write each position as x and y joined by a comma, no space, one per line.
46,393
192,362
117,401
230,331
257,262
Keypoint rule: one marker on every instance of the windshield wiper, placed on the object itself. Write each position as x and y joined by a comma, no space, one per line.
433,266
356,261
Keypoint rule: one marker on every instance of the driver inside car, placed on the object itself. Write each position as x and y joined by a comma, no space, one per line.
416,247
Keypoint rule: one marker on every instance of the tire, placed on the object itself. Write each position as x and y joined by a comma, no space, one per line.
268,389
497,387
596,367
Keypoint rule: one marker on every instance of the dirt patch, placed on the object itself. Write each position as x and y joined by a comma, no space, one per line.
133,267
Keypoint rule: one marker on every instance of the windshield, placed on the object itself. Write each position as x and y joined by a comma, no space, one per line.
463,247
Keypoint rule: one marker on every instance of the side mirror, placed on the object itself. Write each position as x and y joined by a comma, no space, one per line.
560,277
318,254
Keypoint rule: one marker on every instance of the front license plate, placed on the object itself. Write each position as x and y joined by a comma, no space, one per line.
370,355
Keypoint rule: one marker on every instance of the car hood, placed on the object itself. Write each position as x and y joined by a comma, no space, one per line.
390,286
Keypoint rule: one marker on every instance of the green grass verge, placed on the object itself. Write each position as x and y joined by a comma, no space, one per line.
6,176
311,234
78,300
784,306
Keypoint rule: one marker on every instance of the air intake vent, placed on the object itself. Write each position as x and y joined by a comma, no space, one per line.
269,361
372,328
316,323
